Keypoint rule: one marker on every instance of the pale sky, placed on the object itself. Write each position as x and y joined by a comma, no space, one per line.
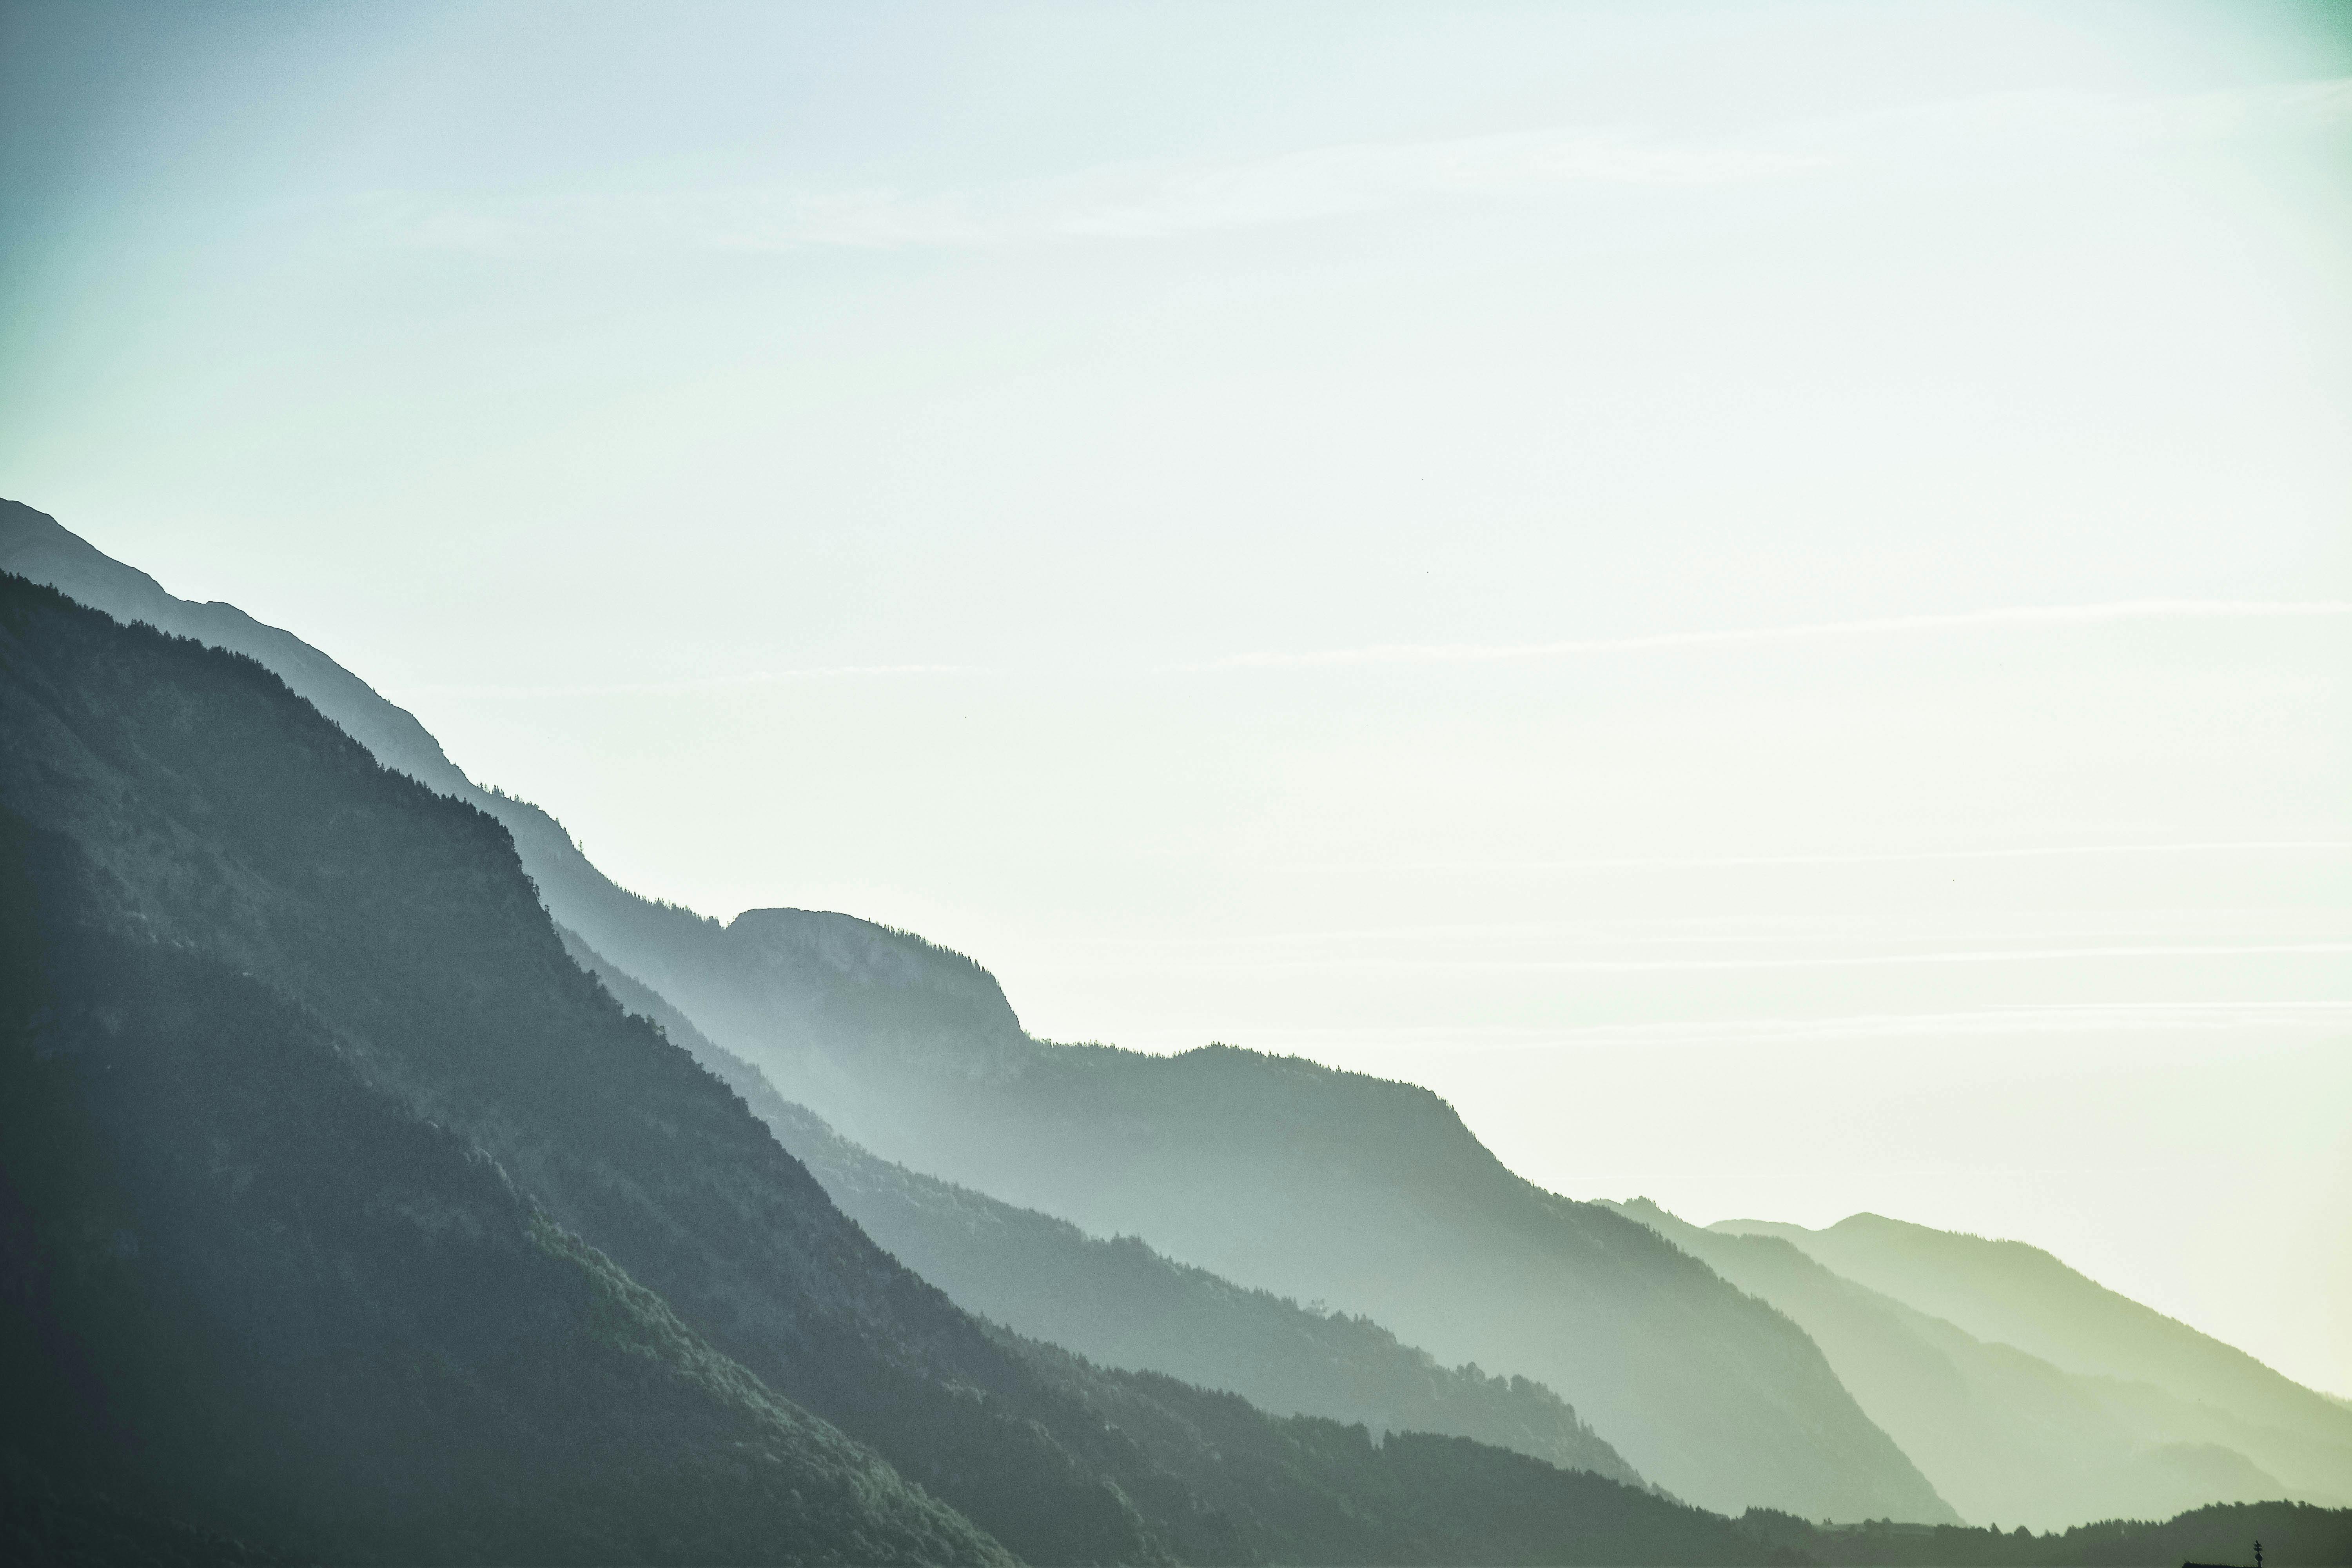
1759,595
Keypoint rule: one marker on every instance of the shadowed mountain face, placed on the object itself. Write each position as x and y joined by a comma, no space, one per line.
2004,1435
358,1218
2171,1380
255,1290
1122,1304
1274,1174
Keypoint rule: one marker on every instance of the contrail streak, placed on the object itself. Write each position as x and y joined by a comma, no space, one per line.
1833,961
2046,614
1864,858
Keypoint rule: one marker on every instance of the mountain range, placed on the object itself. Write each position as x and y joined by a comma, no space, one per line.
710,1237
1274,1173
347,1214
2008,1293
2006,1434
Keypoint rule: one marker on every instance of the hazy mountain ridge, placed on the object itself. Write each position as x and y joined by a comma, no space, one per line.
883,1033
211,818
1122,1305
2004,1436
1286,1176
2012,1293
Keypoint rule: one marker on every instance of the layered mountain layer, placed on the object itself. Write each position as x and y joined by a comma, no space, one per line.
1276,1174
347,1215
2179,1389
2004,1435
1120,1303
1288,1177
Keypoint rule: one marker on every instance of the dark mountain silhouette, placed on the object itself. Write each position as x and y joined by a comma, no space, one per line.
2292,1534
355,1219
1121,1304
2177,1384
248,1285
2003,1433
1274,1174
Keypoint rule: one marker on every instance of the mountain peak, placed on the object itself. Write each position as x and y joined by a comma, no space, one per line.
869,955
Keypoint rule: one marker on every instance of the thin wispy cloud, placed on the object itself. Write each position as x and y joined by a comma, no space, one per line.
1889,858
1332,182
1487,653
1990,955
2047,122
684,685
1884,625
1116,202
1159,201
1996,1023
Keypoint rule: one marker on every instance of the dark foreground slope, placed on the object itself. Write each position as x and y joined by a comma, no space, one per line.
1121,1304
492,1215
267,1301
1276,1174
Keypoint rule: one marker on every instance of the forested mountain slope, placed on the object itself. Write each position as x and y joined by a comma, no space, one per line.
2291,1533
265,1298
2005,1436
221,856
1119,1303
1276,1174
35,546
2008,1293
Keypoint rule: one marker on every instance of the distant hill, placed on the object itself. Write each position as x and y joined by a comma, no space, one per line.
1274,1174
1121,1304
353,1220
2293,1535
2004,1436
2008,1293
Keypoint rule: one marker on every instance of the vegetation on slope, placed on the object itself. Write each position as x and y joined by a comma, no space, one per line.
250,1297
2293,1535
